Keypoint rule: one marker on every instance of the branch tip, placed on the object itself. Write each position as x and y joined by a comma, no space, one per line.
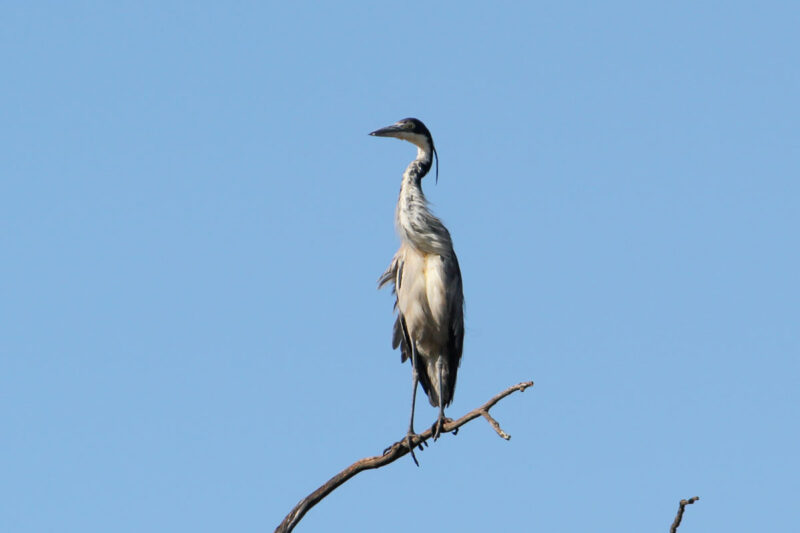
681,508
495,425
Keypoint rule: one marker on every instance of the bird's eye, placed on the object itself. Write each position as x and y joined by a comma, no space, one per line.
408,125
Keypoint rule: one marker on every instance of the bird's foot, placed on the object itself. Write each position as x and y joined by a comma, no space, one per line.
409,442
438,426
392,447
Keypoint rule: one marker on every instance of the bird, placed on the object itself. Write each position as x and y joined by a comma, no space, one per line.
426,280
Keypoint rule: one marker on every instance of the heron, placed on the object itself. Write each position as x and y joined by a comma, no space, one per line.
426,280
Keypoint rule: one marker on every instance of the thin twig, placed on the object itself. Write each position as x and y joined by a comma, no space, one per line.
393,453
495,425
679,516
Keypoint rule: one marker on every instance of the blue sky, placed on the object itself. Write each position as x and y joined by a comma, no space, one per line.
193,220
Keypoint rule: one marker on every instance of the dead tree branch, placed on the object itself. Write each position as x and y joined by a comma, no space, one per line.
679,516
393,453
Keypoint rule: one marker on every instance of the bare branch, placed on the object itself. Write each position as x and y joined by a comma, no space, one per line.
495,425
393,453
679,516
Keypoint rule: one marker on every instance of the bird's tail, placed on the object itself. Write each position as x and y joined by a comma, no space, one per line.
429,379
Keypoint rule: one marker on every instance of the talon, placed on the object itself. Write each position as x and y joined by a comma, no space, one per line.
409,444
438,426
390,448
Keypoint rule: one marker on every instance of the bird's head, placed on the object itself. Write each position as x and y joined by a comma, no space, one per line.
408,129
415,132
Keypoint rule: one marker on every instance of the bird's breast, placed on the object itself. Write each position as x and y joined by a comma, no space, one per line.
422,299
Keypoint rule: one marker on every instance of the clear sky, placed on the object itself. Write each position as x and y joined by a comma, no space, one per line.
193,219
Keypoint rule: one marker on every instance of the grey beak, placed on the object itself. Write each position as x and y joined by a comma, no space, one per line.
388,131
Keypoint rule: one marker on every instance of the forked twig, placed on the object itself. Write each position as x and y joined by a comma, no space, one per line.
393,453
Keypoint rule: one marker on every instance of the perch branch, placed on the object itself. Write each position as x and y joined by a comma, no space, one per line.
679,516
393,453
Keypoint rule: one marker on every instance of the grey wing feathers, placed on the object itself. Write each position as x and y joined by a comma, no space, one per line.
400,338
392,274
389,275
455,344
400,332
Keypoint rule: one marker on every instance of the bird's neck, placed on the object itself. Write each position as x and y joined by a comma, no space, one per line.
419,167
416,225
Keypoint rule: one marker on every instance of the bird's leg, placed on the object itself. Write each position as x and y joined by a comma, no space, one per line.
415,381
437,427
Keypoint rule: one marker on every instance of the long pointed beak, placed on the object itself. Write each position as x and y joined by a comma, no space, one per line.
388,131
